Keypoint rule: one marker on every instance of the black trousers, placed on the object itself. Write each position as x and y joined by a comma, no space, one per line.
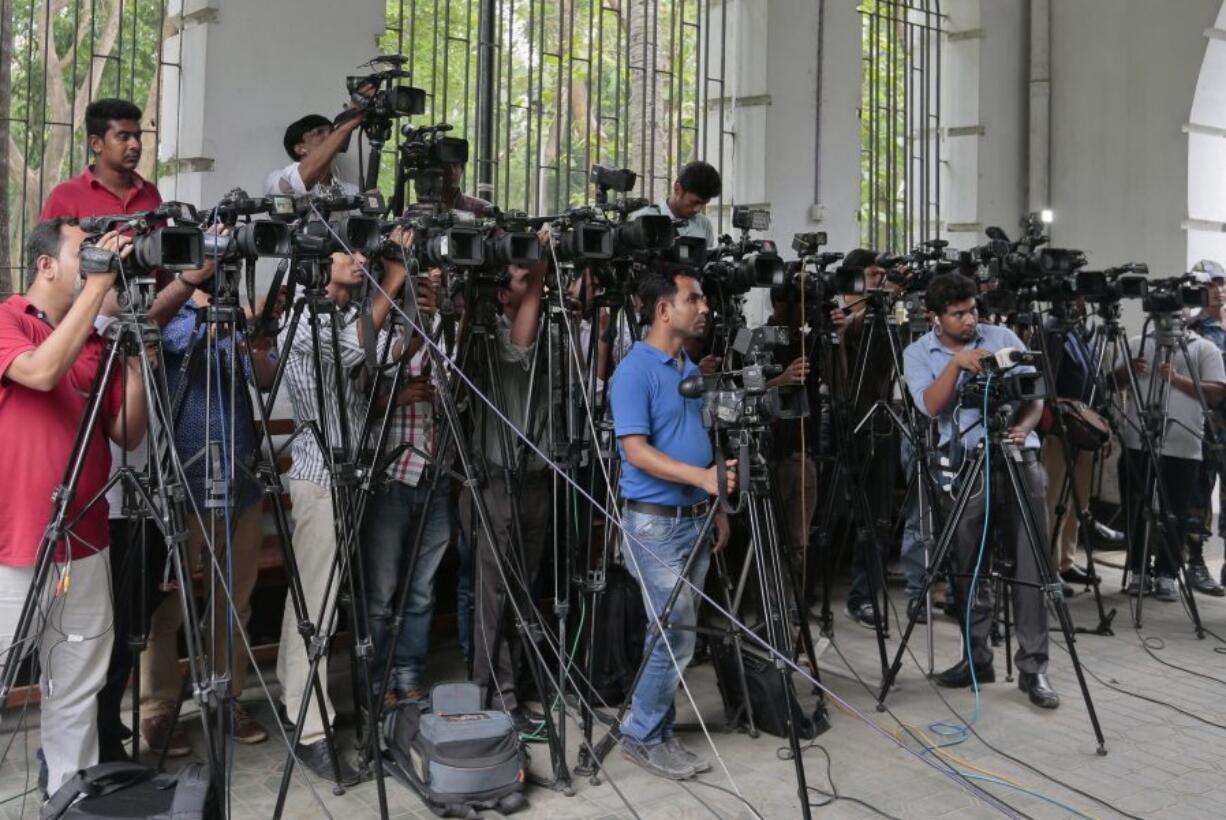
128,580
1181,476
1029,608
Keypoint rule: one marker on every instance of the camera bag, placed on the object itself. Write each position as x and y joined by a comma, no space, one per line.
769,697
457,757
128,790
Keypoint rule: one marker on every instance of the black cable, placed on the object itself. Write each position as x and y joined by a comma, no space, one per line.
1154,643
785,753
699,782
1030,767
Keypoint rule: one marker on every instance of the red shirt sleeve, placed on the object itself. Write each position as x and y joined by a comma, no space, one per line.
13,342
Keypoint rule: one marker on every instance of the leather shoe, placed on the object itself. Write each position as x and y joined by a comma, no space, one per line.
315,757
1203,582
1038,687
1077,576
1107,538
958,676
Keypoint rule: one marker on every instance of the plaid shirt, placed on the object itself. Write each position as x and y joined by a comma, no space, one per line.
308,462
412,424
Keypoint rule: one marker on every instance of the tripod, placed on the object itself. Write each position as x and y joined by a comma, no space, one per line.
344,467
158,496
1151,426
975,475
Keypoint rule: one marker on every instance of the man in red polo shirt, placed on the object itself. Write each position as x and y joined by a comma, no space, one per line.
50,356
111,186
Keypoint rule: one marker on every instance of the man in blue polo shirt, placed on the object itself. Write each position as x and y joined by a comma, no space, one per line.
667,480
936,366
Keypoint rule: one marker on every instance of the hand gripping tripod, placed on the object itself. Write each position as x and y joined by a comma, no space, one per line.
159,496
975,479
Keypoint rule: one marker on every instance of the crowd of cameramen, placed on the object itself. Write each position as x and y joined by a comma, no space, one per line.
51,344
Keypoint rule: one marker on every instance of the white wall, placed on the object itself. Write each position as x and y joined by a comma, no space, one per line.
1123,76
250,68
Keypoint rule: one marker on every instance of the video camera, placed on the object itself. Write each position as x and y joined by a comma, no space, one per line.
822,286
381,98
251,239
1113,284
1173,294
424,153
753,404
745,263
155,245
1000,385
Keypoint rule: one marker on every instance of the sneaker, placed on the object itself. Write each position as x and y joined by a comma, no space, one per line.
1164,589
247,730
862,614
678,749
657,759
1138,584
163,732
1203,582
315,757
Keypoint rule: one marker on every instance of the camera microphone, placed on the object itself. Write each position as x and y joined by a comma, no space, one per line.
693,387
1008,357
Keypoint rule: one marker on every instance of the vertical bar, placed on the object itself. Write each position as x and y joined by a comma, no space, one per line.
486,101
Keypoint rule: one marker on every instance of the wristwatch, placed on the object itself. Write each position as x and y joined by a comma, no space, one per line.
179,278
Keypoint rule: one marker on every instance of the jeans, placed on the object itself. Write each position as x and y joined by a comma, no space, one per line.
387,546
655,548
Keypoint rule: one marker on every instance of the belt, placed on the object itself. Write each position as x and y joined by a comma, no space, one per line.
668,510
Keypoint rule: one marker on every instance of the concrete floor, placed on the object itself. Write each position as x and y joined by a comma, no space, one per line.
1160,762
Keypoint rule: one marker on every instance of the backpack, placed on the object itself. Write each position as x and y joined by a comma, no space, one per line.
119,790
457,757
618,637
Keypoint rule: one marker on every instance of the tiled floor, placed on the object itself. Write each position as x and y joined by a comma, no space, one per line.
1161,762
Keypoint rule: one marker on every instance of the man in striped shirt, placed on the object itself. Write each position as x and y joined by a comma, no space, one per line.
310,479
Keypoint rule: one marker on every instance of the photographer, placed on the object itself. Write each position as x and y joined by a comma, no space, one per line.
516,492
667,480
312,143
417,498
1211,325
50,357
454,198
877,453
236,531
696,185
111,186
310,480
936,366
1179,461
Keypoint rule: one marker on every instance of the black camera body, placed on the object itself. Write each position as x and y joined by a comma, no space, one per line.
155,245
1003,387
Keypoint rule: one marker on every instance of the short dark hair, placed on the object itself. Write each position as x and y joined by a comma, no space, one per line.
700,178
101,113
659,285
298,129
45,239
946,289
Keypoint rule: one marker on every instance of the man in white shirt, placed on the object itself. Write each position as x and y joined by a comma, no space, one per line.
312,142
696,185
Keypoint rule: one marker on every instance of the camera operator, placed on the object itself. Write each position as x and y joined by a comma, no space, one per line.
935,367
518,491
878,453
1211,325
1074,379
111,186
696,185
667,480
310,481
50,356
1179,461
795,468
454,198
417,492
312,143
204,420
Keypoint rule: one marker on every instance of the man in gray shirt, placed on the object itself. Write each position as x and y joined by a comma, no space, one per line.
514,481
1180,453
696,185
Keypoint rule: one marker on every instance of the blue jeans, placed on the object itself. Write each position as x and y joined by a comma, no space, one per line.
390,528
655,548
464,595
